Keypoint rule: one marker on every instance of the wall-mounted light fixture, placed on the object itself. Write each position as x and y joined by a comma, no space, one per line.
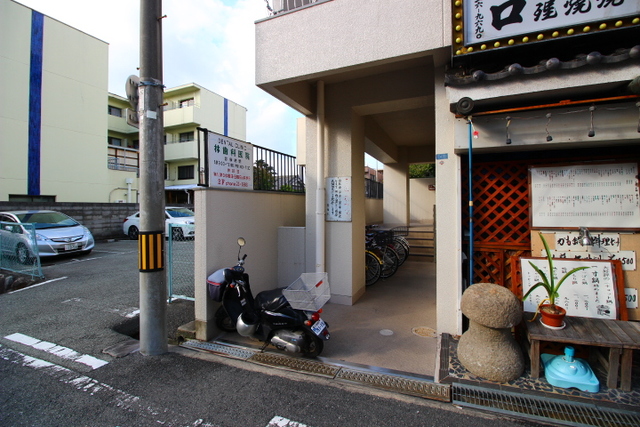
592,131
585,237
549,137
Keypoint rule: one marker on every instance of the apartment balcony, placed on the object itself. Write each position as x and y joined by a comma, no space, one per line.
123,159
180,116
281,6
187,150
119,124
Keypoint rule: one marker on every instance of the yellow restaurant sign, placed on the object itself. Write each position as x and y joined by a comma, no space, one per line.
484,24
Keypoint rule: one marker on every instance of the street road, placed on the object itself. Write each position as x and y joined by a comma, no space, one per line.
53,371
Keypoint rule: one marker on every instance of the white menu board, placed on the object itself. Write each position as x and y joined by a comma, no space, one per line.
339,198
598,196
586,293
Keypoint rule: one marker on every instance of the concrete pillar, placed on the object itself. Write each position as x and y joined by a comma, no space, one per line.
448,218
396,190
204,307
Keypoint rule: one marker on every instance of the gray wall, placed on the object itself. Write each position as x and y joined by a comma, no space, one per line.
103,219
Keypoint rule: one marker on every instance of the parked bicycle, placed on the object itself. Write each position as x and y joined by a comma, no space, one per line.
373,267
380,243
385,251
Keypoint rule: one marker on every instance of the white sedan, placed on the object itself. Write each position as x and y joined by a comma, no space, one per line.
182,222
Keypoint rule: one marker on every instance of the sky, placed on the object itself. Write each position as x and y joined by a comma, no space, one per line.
207,42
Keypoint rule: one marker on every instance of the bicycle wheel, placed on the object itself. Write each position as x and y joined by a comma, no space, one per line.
402,241
389,263
373,268
401,251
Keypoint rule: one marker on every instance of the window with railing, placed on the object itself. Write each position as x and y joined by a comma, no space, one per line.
115,111
280,6
186,103
186,137
186,172
122,158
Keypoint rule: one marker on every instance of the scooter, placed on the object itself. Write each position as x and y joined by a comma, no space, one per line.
269,317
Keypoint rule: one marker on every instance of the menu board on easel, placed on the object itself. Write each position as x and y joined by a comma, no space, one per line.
602,196
592,292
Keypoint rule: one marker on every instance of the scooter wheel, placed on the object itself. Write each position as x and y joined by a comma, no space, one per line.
314,345
223,321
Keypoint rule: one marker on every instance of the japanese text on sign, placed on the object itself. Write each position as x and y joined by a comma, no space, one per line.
230,163
339,199
598,196
586,293
605,246
487,20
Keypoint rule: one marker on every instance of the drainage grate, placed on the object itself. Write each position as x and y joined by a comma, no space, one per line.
544,409
413,387
292,363
223,350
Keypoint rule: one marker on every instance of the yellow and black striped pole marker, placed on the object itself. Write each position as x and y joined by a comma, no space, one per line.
150,251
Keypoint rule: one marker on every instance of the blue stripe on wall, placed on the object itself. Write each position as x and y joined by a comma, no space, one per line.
35,103
226,117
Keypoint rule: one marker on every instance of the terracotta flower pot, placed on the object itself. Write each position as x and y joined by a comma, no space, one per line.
550,318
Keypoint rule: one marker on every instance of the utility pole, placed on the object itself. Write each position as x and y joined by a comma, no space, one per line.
151,258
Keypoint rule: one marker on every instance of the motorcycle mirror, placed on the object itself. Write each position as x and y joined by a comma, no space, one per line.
241,241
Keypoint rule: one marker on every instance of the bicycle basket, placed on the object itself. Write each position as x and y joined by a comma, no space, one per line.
309,292
383,237
402,230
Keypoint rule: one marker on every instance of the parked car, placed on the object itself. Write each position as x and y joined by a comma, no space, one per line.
55,234
182,219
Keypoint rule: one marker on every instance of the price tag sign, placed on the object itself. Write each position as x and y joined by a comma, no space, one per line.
632,297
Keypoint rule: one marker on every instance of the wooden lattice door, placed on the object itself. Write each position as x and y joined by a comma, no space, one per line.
500,218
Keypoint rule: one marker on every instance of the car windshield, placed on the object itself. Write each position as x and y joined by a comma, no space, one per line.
180,212
42,220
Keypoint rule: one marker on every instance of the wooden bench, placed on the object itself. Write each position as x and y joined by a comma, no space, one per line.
619,336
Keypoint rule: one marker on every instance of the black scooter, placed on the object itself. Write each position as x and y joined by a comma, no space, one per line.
269,317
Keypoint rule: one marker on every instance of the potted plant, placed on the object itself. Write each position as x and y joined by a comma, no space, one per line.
552,315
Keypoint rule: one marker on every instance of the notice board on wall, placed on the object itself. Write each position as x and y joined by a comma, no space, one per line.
601,196
593,292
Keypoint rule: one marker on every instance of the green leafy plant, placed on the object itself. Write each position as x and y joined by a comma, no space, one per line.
548,283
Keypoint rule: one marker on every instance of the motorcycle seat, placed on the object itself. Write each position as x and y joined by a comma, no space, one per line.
271,300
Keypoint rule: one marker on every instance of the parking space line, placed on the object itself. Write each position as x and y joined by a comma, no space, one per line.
106,393
38,284
283,422
57,350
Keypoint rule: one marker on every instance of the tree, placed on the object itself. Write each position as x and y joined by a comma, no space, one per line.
264,176
422,170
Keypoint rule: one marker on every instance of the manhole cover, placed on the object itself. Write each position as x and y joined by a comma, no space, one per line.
423,331
386,332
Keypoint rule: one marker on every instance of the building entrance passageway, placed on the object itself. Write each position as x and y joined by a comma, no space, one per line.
392,327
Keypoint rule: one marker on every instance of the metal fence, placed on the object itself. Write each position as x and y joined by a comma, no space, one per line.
180,265
19,249
373,189
275,171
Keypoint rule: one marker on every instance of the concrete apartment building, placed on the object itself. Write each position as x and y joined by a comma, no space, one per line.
65,138
407,83
53,129
188,107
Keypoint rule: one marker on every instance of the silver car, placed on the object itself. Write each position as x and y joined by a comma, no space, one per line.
55,234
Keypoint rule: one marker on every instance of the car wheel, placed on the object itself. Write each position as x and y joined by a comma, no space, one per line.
176,233
23,254
133,232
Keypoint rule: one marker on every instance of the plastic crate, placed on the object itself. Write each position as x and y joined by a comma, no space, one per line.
309,292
